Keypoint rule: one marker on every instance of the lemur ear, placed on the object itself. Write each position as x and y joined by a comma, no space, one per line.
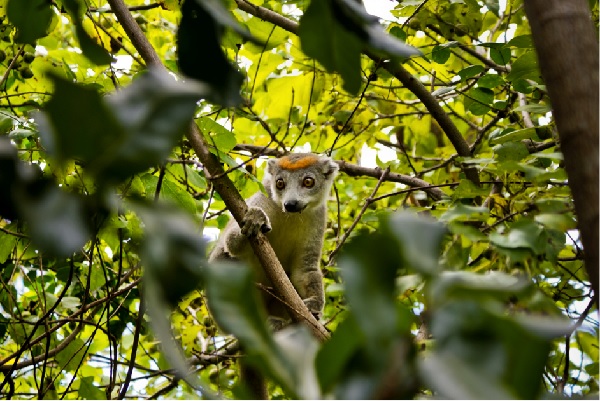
330,167
271,165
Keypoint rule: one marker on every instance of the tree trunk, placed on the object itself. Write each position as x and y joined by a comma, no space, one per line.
565,40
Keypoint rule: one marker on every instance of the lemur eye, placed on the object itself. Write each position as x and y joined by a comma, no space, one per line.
308,182
279,184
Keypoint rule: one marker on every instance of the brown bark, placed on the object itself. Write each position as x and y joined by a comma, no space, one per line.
565,40
223,185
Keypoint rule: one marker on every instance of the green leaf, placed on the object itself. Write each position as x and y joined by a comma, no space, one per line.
398,32
21,133
463,284
545,327
420,241
377,39
237,308
159,309
335,354
71,357
560,222
271,35
511,151
223,78
440,54
540,175
90,391
490,81
223,17
155,111
97,280
468,231
300,349
539,108
173,250
455,379
503,351
71,303
368,267
521,41
123,134
589,343
58,221
592,369
174,255
192,176
466,189
217,135
499,53
493,6
31,17
471,71
522,234
478,100
527,342
553,205
353,17
6,122
89,47
170,191
525,67
465,213
7,244
84,133
323,38
512,135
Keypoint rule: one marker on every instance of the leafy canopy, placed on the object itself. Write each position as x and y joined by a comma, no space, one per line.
478,291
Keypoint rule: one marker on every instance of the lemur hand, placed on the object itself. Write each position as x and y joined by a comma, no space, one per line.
254,221
314,306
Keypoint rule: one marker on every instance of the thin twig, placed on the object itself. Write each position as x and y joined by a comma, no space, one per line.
11,65
134,347
367,203
347,122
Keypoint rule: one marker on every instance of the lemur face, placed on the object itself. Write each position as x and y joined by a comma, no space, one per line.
300,181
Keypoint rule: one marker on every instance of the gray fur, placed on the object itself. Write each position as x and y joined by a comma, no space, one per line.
296,237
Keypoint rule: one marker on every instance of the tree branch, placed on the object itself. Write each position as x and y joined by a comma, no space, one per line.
354,170
223,185
134,347
567,47
132,8
399,72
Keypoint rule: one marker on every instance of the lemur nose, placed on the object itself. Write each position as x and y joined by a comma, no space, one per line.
292,206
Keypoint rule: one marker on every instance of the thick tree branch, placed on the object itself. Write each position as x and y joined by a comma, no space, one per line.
566,44
437,112
399,72
223,185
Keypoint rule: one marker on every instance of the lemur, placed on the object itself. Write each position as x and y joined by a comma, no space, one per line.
293,215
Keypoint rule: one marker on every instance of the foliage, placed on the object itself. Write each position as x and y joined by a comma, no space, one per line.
480,294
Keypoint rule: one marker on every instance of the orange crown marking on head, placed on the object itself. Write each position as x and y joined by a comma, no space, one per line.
288,163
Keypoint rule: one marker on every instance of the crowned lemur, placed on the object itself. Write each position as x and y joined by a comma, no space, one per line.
293,216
